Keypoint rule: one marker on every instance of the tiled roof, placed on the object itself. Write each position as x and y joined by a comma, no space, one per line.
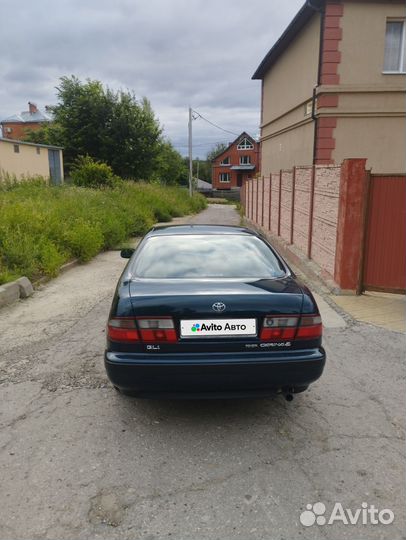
241,136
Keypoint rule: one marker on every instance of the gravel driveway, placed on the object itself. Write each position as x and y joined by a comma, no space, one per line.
79,461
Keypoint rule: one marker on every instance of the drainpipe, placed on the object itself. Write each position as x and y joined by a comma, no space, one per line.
320,9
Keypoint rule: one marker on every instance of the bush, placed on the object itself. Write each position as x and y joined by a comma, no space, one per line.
42,227
87,172
84,240
50,258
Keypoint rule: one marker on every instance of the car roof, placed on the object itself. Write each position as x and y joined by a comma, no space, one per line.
166,230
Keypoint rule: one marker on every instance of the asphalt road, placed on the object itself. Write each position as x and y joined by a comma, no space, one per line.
79,461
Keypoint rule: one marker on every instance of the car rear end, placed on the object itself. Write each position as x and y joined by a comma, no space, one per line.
213,336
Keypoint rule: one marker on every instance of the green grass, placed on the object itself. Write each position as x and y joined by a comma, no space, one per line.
42,227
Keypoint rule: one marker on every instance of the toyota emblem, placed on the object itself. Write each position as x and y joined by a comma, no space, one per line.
219,307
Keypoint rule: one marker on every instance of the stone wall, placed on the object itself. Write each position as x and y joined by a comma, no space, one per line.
301,207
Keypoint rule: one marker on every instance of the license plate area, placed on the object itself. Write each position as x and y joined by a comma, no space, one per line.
223,328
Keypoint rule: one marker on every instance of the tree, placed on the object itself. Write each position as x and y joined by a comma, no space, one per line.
201,165
112,127
216,150
170,166
133,138
204,169
87,172
51,134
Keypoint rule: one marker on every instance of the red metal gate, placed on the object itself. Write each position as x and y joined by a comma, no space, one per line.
385,246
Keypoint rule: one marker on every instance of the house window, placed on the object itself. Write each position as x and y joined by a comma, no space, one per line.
16,149
245,160
395,54
245,144
38,150
225,161
224,177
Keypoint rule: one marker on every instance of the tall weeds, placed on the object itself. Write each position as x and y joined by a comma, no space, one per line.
42,227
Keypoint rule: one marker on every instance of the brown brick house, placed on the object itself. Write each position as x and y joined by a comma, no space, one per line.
333,87
15,127
238,162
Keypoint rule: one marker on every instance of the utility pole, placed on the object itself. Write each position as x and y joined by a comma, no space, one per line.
190,154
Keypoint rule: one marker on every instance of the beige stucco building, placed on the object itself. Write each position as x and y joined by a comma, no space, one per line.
21,159
333,87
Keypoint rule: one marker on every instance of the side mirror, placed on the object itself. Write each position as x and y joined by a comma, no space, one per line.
126,253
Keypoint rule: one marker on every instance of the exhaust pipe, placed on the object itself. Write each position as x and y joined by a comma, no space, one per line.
289,397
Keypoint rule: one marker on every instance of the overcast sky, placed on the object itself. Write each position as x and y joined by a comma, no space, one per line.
174,52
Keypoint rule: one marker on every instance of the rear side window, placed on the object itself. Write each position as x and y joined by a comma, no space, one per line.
207,256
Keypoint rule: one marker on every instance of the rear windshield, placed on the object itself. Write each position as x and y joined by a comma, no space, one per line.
207,256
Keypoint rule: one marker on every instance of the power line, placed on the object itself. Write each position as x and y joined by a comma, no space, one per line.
215,125
199,144
194,115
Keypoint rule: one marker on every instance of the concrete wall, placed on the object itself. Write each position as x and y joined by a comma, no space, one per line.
344,219
287,129
300,206
31,160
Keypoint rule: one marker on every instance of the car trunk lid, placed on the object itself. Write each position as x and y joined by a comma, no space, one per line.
190,304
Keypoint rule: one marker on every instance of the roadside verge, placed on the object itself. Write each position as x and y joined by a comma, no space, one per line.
23,288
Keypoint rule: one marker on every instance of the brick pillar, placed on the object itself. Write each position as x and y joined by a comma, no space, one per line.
327,102
350,226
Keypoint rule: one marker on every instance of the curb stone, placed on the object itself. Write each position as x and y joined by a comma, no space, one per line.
9,293
13,291
25,287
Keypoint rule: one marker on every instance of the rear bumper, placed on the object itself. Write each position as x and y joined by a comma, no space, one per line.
214,375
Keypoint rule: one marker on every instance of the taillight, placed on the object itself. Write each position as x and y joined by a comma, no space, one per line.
310,327
156,329
287,328
122,329
279,328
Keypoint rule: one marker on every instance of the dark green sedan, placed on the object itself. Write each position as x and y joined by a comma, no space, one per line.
206,311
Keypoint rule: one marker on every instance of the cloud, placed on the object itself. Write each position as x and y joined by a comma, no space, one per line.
176,52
